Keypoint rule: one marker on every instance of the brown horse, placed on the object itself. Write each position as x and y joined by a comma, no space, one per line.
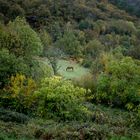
70,68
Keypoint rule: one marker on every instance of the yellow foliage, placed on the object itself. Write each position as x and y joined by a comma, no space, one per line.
129,106
21,84
105,59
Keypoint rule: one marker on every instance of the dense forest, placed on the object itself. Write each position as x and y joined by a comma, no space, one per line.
70,69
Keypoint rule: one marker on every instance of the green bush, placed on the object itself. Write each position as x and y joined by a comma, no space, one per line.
19,44
94,48
31,44
9,116
70,44
59,98
119,83
87,62
85,81
10,65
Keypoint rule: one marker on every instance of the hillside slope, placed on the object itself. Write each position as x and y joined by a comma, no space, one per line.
69,69
131,6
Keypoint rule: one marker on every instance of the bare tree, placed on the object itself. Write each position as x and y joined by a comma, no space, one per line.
54,54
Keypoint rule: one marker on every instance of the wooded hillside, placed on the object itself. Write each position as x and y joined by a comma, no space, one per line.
70,69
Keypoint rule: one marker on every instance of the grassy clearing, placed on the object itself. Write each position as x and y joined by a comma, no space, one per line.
78,71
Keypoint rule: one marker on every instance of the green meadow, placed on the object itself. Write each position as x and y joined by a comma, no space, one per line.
78,71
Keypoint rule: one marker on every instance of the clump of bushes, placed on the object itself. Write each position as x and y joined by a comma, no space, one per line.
53,98
88,83
60,98
118,84
18,95
87,62
9,116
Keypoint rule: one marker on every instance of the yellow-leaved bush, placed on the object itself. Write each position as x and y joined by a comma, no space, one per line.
20,93
20,83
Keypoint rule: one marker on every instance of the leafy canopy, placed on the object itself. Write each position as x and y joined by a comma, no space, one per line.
30,41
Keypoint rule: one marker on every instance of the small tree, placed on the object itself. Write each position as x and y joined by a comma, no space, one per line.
54,55
30,41
46,40
69,43
94,48
59,98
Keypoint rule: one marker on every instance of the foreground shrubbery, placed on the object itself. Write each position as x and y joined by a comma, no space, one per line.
107,123
119,82
10,116
59,98
54,98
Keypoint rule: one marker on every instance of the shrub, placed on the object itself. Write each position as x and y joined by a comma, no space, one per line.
10,65
19,44
119,83
87,62
94,48
85,24
70,44
59,98
137,116
19,94
122,27
85,81
31,44
9,116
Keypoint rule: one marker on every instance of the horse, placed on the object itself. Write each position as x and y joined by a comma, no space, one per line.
70,68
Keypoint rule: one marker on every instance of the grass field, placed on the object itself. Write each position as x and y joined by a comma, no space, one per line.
78,71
